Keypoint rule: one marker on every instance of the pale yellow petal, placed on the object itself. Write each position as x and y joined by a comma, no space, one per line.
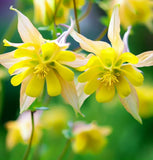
131,104
105,93
53,84
114,31
26,29
89,45
7,43
69,93
25,101
35,86
145,59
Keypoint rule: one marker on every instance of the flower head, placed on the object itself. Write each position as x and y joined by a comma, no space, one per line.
19,131
38,61
55,119
89,138
112,67
48,11
145,95
140,11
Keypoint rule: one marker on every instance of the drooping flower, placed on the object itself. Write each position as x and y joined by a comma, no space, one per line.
145,95
48,11
132,11
113,67
37,61
19,131
89,138
55,119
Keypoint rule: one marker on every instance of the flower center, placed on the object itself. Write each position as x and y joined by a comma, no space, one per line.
41,70
109,78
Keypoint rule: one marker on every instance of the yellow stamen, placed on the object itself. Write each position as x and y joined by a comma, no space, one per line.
41,70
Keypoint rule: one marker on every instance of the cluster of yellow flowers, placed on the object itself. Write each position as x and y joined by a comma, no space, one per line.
38,61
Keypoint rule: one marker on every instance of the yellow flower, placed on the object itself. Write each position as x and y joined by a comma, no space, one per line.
133,11
55,119
46,10
145,95
19,131
37,61
113,67
89,138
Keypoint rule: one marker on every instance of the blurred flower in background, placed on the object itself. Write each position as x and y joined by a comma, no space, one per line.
145,95
55,119
19,131
132,11
48,11
89,138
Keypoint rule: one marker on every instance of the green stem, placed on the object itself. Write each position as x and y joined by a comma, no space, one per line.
87,11
76,17
64,150
30,142
102,34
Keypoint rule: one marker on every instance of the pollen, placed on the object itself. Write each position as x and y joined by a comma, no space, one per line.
109,78
41,70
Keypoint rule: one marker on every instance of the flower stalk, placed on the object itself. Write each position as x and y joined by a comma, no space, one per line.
31,138
76,17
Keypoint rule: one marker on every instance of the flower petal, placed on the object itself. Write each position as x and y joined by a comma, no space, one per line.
49,50
81,95
145,59
69,93
17,79
25,101
88,74
7,59
129,57
105,93
53,84
114,31
21,64
26,29
65,73
133,75
78,62
89,45
7,43
67,56
91,86
35,86
125,39
123,87
131,104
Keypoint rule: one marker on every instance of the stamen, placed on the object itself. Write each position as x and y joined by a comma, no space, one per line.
41,70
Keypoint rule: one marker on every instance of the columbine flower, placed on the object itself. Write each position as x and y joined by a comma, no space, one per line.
48,10
89,138
55,119
37,61
133,11
19,131
113,67
145,95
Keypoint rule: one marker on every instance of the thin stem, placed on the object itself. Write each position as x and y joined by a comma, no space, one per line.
56,9
30,142
64,150
76,17
87,11
102,34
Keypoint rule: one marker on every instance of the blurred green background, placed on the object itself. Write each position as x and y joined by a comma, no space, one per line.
129,140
